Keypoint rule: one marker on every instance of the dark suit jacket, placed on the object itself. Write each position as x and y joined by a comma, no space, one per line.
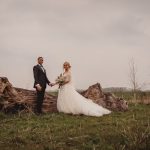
40,77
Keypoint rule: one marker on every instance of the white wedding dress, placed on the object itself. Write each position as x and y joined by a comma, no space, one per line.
71,102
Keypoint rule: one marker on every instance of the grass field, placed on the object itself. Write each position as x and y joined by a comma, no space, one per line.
118,131
140,95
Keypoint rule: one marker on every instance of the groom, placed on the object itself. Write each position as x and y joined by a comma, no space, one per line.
40,82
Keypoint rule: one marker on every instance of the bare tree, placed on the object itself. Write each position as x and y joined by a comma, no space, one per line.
133,78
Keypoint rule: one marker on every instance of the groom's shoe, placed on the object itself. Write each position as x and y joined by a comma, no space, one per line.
37,113
40,113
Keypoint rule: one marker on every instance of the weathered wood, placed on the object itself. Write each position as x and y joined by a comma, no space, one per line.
106,100
17,100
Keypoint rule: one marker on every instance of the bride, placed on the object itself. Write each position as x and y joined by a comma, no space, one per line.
71,102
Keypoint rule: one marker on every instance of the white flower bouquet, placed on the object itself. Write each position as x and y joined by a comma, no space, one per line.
60,80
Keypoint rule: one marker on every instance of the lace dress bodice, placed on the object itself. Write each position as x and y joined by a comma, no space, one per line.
67,77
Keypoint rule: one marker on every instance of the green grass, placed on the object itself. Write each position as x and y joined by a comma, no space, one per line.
129,95
120,130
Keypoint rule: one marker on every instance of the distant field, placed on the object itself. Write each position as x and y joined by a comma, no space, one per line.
142,97
118,131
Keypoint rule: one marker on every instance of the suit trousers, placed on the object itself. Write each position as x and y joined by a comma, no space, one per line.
39,100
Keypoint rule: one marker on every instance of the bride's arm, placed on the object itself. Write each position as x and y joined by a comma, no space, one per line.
67,79
56,83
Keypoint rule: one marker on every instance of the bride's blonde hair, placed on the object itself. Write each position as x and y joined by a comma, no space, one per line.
67,63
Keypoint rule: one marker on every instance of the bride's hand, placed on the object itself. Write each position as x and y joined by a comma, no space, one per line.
62,84
52,84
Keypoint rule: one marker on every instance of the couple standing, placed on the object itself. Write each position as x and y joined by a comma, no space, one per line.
69,100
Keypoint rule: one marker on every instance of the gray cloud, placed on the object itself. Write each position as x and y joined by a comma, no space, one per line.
98,37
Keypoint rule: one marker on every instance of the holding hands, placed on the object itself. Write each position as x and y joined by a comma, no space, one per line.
60,81
39,88
52,84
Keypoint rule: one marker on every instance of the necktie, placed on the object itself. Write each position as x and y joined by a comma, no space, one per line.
42,68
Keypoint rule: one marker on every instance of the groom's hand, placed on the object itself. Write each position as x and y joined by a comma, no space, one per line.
51,84
39,88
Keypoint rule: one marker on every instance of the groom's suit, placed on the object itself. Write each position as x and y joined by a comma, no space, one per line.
40,78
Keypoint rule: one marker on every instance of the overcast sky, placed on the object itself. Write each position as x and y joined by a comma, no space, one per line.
98,38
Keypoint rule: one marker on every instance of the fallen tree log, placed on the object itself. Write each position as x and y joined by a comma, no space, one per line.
107,100
13,100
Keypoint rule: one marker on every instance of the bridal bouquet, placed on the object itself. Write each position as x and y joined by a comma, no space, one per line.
60,80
